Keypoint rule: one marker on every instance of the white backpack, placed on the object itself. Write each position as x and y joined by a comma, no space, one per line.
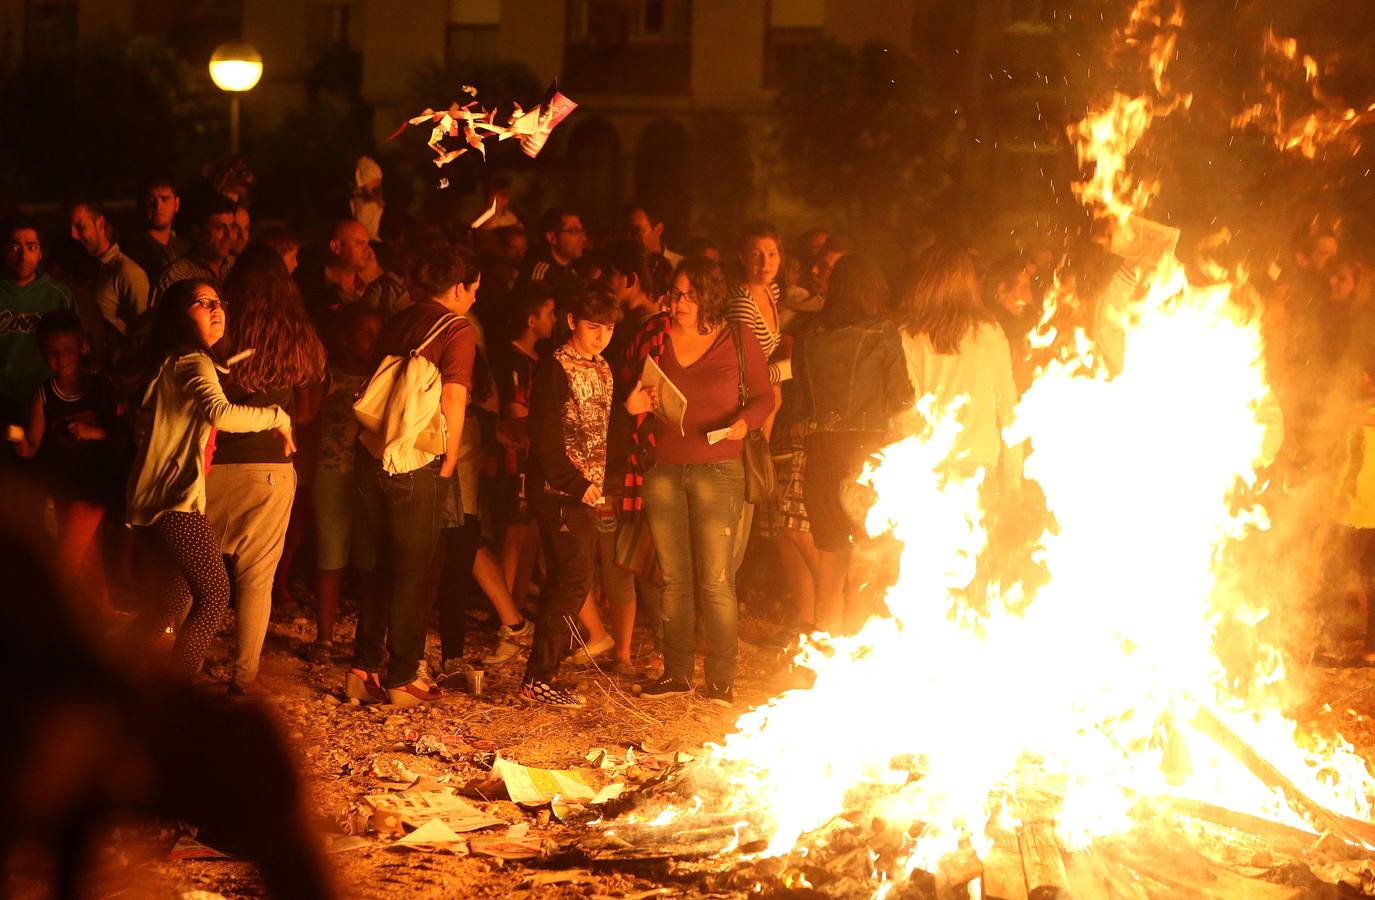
398,410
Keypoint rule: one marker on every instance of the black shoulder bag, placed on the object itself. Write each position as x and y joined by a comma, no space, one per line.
761,482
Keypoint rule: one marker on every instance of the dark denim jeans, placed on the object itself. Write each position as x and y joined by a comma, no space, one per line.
568,533
693,512
404,512
457,586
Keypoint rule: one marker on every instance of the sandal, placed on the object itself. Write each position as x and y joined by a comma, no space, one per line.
413,694
365,687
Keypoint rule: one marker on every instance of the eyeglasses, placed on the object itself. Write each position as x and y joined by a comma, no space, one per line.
674,295
577,230
210,305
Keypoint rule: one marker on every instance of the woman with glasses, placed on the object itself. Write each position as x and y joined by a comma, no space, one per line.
695,489
166,495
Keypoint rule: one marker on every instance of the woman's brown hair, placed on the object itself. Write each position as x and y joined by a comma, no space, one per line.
267,316
941,296
709,284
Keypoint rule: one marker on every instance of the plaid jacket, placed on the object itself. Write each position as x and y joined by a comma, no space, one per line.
649,343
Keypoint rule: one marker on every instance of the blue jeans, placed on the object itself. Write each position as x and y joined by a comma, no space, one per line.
693,512
404,512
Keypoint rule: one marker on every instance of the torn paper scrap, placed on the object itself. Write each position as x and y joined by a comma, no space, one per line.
433,833
536,787
343,843
485,217
389,768
548,115
414,809
516,843
188,847
608,793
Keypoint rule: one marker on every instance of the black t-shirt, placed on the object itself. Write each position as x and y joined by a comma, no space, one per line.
84,470
257,446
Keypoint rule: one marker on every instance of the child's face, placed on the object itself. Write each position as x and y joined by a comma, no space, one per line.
589,338
542,323
362,343
63,354
207,311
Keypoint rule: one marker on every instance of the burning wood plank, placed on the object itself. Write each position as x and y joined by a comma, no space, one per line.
1320,817
1042,866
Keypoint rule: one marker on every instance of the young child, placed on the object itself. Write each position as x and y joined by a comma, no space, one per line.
340,534
76,432
569,423
514,367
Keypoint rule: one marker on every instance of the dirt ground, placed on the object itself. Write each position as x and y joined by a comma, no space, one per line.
337,745
337,742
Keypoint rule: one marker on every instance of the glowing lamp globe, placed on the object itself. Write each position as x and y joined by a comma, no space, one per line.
235,67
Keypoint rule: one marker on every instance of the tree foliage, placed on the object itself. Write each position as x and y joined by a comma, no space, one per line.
100,116
865,134
309,157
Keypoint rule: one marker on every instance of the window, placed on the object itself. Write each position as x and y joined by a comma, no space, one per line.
797,13
629,46
652,17
599,21
473,29
793,27
474,12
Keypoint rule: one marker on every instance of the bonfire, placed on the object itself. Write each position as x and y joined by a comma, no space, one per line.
1088,730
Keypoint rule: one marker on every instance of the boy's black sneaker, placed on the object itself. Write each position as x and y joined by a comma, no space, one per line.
721,696
665,687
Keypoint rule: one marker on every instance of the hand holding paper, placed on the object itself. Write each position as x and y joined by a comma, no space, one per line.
641,400
671,405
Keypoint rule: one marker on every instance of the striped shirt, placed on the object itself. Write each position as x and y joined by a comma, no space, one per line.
744,310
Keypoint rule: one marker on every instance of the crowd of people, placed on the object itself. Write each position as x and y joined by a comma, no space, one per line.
587,439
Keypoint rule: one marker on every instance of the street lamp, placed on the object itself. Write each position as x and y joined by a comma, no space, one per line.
235,67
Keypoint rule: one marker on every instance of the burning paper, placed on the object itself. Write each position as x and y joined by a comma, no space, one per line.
475,124
1294,112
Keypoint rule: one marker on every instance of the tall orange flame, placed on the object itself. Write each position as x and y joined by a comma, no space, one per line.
1088,681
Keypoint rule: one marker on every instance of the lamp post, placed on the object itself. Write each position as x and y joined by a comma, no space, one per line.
235,67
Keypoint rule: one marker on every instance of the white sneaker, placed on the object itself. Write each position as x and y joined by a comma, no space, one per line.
510,641
585,654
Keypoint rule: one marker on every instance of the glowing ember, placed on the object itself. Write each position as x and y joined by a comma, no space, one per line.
1088,687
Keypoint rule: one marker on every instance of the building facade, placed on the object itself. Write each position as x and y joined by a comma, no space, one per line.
675,96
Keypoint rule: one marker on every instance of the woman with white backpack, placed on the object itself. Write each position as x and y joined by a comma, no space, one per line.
411,416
